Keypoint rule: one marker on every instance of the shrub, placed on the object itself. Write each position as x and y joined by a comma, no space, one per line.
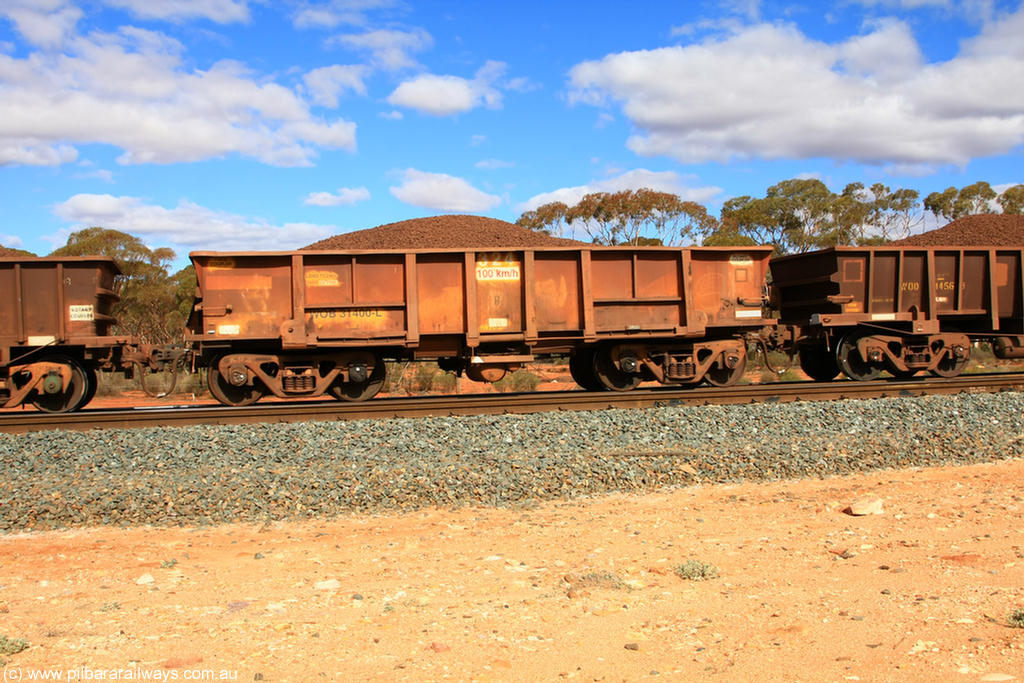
445,382
695,570
520,380
423,378
1016,619
9,646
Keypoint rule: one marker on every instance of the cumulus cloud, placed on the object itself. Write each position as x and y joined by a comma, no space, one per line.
768,91
388,49
130,89
442,192
220,11
187,226
447,95
326,84
344,197
46,23
661,181
334,13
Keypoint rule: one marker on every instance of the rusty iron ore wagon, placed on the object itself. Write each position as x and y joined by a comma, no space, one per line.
862,310
55,322
308,323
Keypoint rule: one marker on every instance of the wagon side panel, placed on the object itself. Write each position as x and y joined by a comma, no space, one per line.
244,296
728,285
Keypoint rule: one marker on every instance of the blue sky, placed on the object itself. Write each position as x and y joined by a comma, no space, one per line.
252,124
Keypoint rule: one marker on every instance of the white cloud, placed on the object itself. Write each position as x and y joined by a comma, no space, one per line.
492,164
393,115
129,89
188,226
335,13
30,152
442,192
328,83
447,95
12,241
661,181
344,197
46,23
220,11
389,49
98,174
769,91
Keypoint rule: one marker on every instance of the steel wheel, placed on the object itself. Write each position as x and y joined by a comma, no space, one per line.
850,362
94,384
609,374
899,374
362,391
949,366
724,377
73,397
228,393
581,367
818,363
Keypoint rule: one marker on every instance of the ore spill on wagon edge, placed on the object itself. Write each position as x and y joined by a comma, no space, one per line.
250,473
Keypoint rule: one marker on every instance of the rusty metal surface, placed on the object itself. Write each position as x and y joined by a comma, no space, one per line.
978,286
537,297
505,403
52,300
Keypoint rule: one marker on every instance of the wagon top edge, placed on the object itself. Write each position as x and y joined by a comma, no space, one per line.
902,248
104,261
464,250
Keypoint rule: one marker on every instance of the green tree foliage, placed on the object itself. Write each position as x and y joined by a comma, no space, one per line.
153,306
641,216
892,215
1012,200
801,214
793,216
952,203
547,218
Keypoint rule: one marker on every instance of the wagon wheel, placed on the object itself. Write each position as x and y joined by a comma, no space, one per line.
818,363
74,396
849,360
367,389
949,366
725,377
228,393
609,374
898,373
94,383
581,367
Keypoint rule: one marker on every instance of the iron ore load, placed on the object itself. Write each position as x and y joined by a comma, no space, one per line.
55,321
309,323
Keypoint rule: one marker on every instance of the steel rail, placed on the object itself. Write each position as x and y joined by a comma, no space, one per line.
483,404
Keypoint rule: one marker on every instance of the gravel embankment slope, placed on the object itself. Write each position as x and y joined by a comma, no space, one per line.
214,474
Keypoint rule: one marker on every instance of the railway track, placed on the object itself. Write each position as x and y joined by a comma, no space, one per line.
482,404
